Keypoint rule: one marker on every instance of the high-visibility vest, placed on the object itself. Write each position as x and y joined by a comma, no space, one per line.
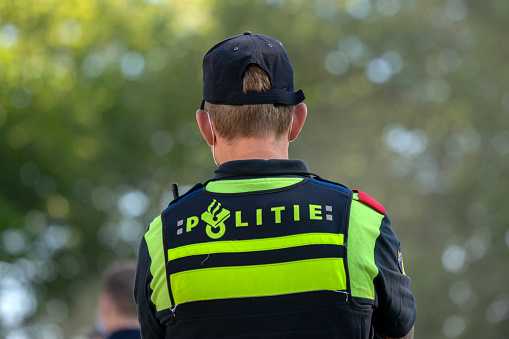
270,263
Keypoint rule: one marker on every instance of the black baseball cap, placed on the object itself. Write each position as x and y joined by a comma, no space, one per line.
225,63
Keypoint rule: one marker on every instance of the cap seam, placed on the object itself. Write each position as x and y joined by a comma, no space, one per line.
260,62
252,60
254,45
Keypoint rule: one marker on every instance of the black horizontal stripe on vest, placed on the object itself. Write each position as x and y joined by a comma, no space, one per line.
255,258
317,314
253,305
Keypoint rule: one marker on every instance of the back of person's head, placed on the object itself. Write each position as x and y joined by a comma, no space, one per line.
118,286
248,87
262,120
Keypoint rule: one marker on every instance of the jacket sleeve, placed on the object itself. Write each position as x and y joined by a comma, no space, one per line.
396,311
150,324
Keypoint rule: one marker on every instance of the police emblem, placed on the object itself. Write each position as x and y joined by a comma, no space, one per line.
215,216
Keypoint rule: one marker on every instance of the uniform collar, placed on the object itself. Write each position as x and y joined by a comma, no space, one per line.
126,334
259,167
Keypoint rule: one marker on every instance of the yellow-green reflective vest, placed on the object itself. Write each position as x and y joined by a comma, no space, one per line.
269,262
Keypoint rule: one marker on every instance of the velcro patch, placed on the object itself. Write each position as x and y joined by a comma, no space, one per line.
371,202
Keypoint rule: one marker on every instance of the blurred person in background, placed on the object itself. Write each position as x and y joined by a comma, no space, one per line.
266,249
117,316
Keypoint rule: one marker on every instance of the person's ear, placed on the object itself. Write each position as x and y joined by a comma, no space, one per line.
205,126
300,112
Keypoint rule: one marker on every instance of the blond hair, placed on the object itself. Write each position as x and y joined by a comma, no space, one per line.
262,120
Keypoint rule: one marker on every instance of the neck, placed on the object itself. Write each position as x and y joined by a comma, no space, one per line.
251,148
117,323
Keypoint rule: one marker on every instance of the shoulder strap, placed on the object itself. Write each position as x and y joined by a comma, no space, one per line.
370,201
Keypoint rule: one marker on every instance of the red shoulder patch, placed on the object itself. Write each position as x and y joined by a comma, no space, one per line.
370,201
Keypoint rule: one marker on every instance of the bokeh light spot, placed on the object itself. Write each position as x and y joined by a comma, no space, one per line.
130,230
29,174
407,143
454,326
455,10
87,148
359,9
358,53
70,32
17,300
326,9
154,2
58,207
469,140
500,142
21,97
454,259
394,60
35,221
438,90
336,63
478,244
55,238
9,36
14,241
162,142
458,144
44,330
133,203
460,292
498,310
427,176
132,65
45,187
93,66
379,71
114,51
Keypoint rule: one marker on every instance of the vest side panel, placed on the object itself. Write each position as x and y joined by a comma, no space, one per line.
364,229
154,238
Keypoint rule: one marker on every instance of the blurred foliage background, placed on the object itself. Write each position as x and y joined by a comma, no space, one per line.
408,100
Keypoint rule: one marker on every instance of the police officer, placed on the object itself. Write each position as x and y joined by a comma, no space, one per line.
266,249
